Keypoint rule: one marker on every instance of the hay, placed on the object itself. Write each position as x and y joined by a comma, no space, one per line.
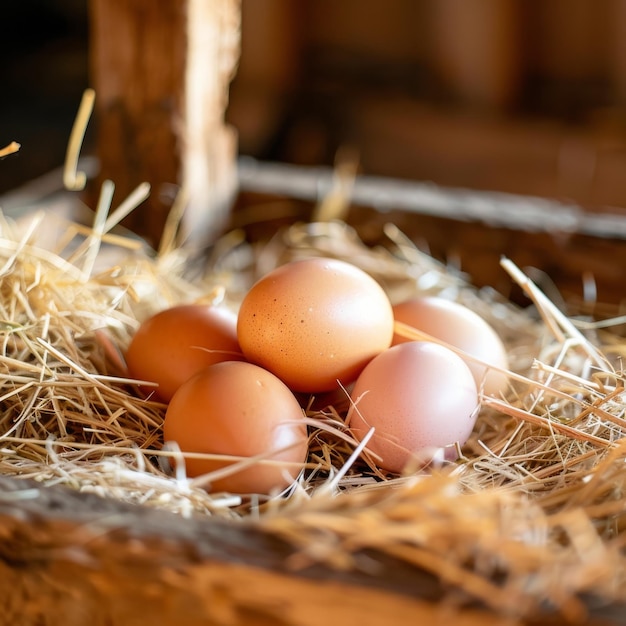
12,148
532,516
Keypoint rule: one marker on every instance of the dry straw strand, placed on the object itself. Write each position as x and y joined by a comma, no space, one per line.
73,179
12,148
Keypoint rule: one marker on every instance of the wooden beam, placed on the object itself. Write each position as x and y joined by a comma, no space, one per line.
70,558
161,72
477,50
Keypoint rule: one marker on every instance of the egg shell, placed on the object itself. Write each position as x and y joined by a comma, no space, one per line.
419,397
462,328
175,343
314,322
239,409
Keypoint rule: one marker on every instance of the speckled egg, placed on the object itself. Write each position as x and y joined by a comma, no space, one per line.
315,323
238,409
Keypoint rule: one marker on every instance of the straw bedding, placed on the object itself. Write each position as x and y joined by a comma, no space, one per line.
533,515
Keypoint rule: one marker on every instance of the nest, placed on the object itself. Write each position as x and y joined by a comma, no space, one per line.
532,515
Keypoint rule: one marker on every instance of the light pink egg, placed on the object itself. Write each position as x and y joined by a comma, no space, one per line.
462,328
419,397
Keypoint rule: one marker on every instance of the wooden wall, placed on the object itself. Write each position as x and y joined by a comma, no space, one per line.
527,96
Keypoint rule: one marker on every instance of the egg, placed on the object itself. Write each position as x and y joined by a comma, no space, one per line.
239,409
314,322
419,397
175,343
462,328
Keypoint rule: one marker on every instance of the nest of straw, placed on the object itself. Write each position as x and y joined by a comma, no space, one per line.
533,514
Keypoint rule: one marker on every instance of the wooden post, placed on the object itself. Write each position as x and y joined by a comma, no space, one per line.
477,50
161,72
617,50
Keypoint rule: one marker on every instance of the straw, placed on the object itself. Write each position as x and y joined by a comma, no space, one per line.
532,514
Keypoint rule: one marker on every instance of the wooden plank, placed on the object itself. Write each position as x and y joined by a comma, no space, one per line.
477,50
73,558
568,41
161,73
617,50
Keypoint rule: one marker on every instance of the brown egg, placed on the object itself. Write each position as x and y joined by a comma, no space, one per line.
239,409
461,328
171,346
315,322
420,398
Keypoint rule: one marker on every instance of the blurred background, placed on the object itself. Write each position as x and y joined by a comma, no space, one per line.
527,96
524,96
521,96
43,72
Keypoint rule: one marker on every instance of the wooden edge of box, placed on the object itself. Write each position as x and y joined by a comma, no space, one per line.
73,558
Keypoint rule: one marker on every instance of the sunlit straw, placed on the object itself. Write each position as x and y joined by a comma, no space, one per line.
72,178
12,148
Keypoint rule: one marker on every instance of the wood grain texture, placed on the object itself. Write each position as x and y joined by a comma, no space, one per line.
161,73
137,58
73,559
